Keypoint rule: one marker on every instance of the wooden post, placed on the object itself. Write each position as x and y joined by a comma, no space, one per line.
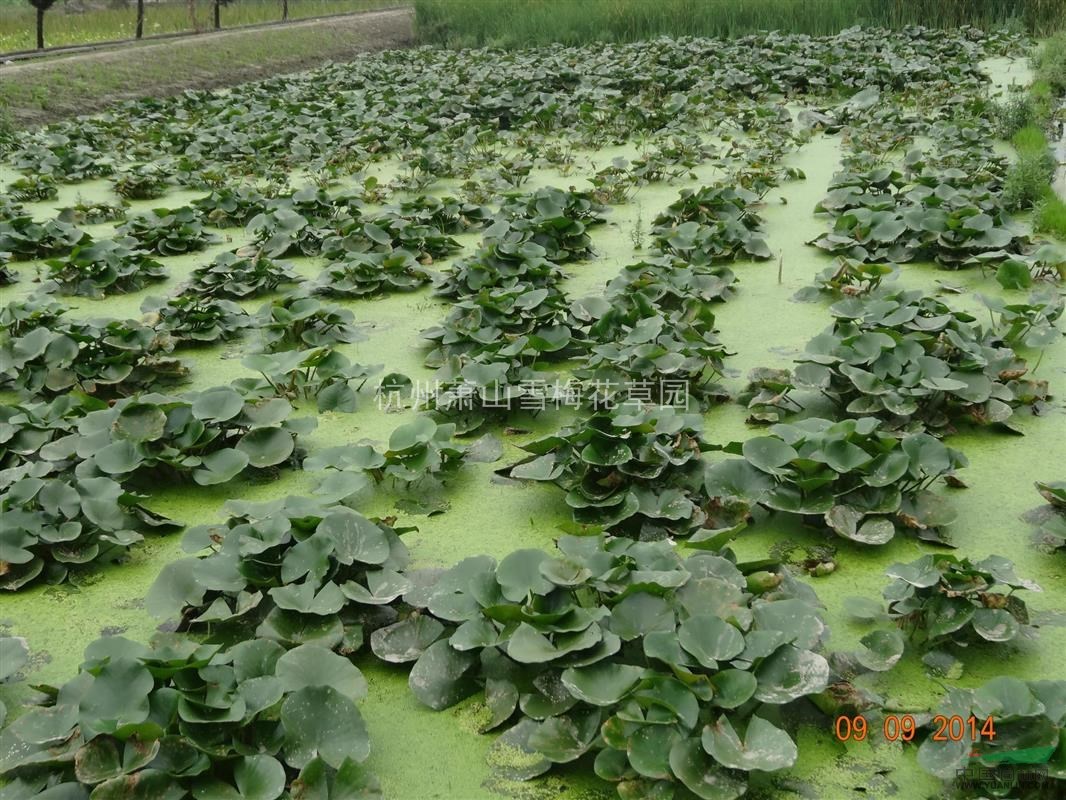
284,10
40,27
140,19
218,23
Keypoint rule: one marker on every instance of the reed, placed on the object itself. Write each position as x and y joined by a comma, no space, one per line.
527,23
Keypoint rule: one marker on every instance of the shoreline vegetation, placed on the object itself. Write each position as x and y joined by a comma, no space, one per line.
513,24
74,23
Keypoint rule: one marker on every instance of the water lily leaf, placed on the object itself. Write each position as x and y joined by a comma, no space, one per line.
266,447
797,619
353,781
528,646
307,598
512,757
486,449
14,653
220,466
946,615
882,649
312,665
320,722
649,750
563,739
440,678
140,422
874,530
1013,274
98,760
259,777
710,639
148,784
943,759
519,575
790,673
733,687
601,684
769,454
119,694
118,458
701,775
1005,697
611,765
406,640
994,624
355,538
219,403
641,614
765,747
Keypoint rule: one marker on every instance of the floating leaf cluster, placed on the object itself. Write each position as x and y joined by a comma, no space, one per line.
863,483
670,671
941,598
177,717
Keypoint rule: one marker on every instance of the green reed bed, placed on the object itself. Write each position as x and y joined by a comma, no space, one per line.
526,23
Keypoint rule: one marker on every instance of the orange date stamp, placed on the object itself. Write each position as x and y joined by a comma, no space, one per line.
904,727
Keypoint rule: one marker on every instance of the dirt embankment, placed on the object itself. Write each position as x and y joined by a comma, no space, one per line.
39,92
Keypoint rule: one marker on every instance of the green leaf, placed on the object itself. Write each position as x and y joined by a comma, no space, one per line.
513,758
118,694
528,646
312,665
220,466
259,777
790,673
995,624
148,784
14,653
140,422
118,458
320,722
701,775
733,687
266,447
1005,697
519,575
710,639
882,649
218,404
769,454
406,640
601,684
649,750
765,747
98,760
440,678
1014,275
414,433
641,614
355,538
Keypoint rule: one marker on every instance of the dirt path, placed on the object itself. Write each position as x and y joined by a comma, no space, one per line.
38,92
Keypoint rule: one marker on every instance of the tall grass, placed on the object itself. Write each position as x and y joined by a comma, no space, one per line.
1051,63
526,23
76,24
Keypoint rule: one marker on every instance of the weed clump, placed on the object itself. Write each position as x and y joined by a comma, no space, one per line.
1027,182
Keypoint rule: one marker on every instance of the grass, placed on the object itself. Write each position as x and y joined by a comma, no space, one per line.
527,23
64,86
1051,64
1051,216
1028,180
65,24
